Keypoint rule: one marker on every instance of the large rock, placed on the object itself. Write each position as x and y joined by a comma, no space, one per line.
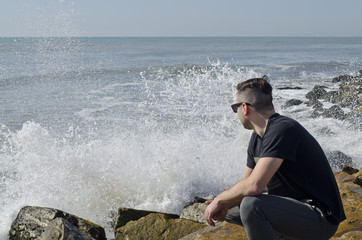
224,230
126,215
318,92
61,229
342,78
194,212
338,160
334,112
157,226
32,222
351,195
292,102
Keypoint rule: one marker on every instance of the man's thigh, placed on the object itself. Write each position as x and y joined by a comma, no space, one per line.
291,218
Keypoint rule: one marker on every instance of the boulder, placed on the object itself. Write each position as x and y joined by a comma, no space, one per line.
351,195
332,96
157,226
350,170
338,160
358,179
342,78
61,229
315,103
318,92
334,112
126,215
32,222
224,230
194,212
289,88
292,102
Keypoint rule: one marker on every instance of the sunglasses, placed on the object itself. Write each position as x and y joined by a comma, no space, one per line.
235,106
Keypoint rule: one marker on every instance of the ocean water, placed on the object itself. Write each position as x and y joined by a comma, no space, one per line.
88,125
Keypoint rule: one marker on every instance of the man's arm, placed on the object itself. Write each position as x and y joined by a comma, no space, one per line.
247,172
252,184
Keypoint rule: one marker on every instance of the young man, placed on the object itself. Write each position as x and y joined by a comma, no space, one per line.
302,200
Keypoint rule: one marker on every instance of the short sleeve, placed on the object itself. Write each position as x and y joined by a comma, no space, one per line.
251,152
281,142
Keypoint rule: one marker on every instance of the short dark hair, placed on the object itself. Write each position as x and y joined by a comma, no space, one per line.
257,92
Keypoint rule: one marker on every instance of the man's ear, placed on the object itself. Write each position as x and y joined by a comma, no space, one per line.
245,109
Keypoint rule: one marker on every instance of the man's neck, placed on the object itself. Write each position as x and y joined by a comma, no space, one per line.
261,122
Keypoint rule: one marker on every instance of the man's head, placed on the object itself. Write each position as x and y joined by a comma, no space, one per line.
257,92
254,102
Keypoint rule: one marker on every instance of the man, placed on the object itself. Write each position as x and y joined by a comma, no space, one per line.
302,200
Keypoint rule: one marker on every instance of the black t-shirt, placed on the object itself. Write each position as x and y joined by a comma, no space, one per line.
305,172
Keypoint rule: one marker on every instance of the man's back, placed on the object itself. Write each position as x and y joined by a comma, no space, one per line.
305,172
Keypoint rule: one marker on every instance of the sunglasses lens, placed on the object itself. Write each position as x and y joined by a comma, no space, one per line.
235,107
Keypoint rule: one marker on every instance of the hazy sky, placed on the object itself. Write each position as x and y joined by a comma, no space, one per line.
180,18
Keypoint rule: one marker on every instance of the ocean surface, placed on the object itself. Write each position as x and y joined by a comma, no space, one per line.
88,125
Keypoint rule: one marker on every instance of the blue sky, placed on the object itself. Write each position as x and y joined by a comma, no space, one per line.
180,18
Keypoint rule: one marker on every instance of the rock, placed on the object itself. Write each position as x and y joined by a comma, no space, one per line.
350,170
358,179
31,223
318,92
351,92
61,229
126,215
342,78
194,212
315,103
338,160
315,114
157,226
351,195
289,88
334,112
292,102
332,96
224,230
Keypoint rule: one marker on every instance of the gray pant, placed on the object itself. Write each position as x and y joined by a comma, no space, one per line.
266,216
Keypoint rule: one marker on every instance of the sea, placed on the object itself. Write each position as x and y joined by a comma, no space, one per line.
92,124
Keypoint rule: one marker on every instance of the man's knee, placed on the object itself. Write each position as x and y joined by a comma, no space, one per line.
250,207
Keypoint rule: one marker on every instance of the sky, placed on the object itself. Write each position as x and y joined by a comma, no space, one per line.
180,18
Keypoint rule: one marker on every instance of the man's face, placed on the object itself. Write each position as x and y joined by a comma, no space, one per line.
243,119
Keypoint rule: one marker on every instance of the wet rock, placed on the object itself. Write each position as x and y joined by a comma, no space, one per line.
224,230
32,222
289,88
126,215
351,195
318,92
61,229
157,226
351,93
315,103
358,179
350,170
342,78
338,160
292,102
332,96
194,212
334,112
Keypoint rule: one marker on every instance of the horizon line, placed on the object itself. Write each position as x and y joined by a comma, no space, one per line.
186,36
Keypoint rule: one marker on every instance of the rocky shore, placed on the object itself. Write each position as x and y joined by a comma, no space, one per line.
41,223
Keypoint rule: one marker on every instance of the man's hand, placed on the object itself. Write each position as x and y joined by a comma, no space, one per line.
215,211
